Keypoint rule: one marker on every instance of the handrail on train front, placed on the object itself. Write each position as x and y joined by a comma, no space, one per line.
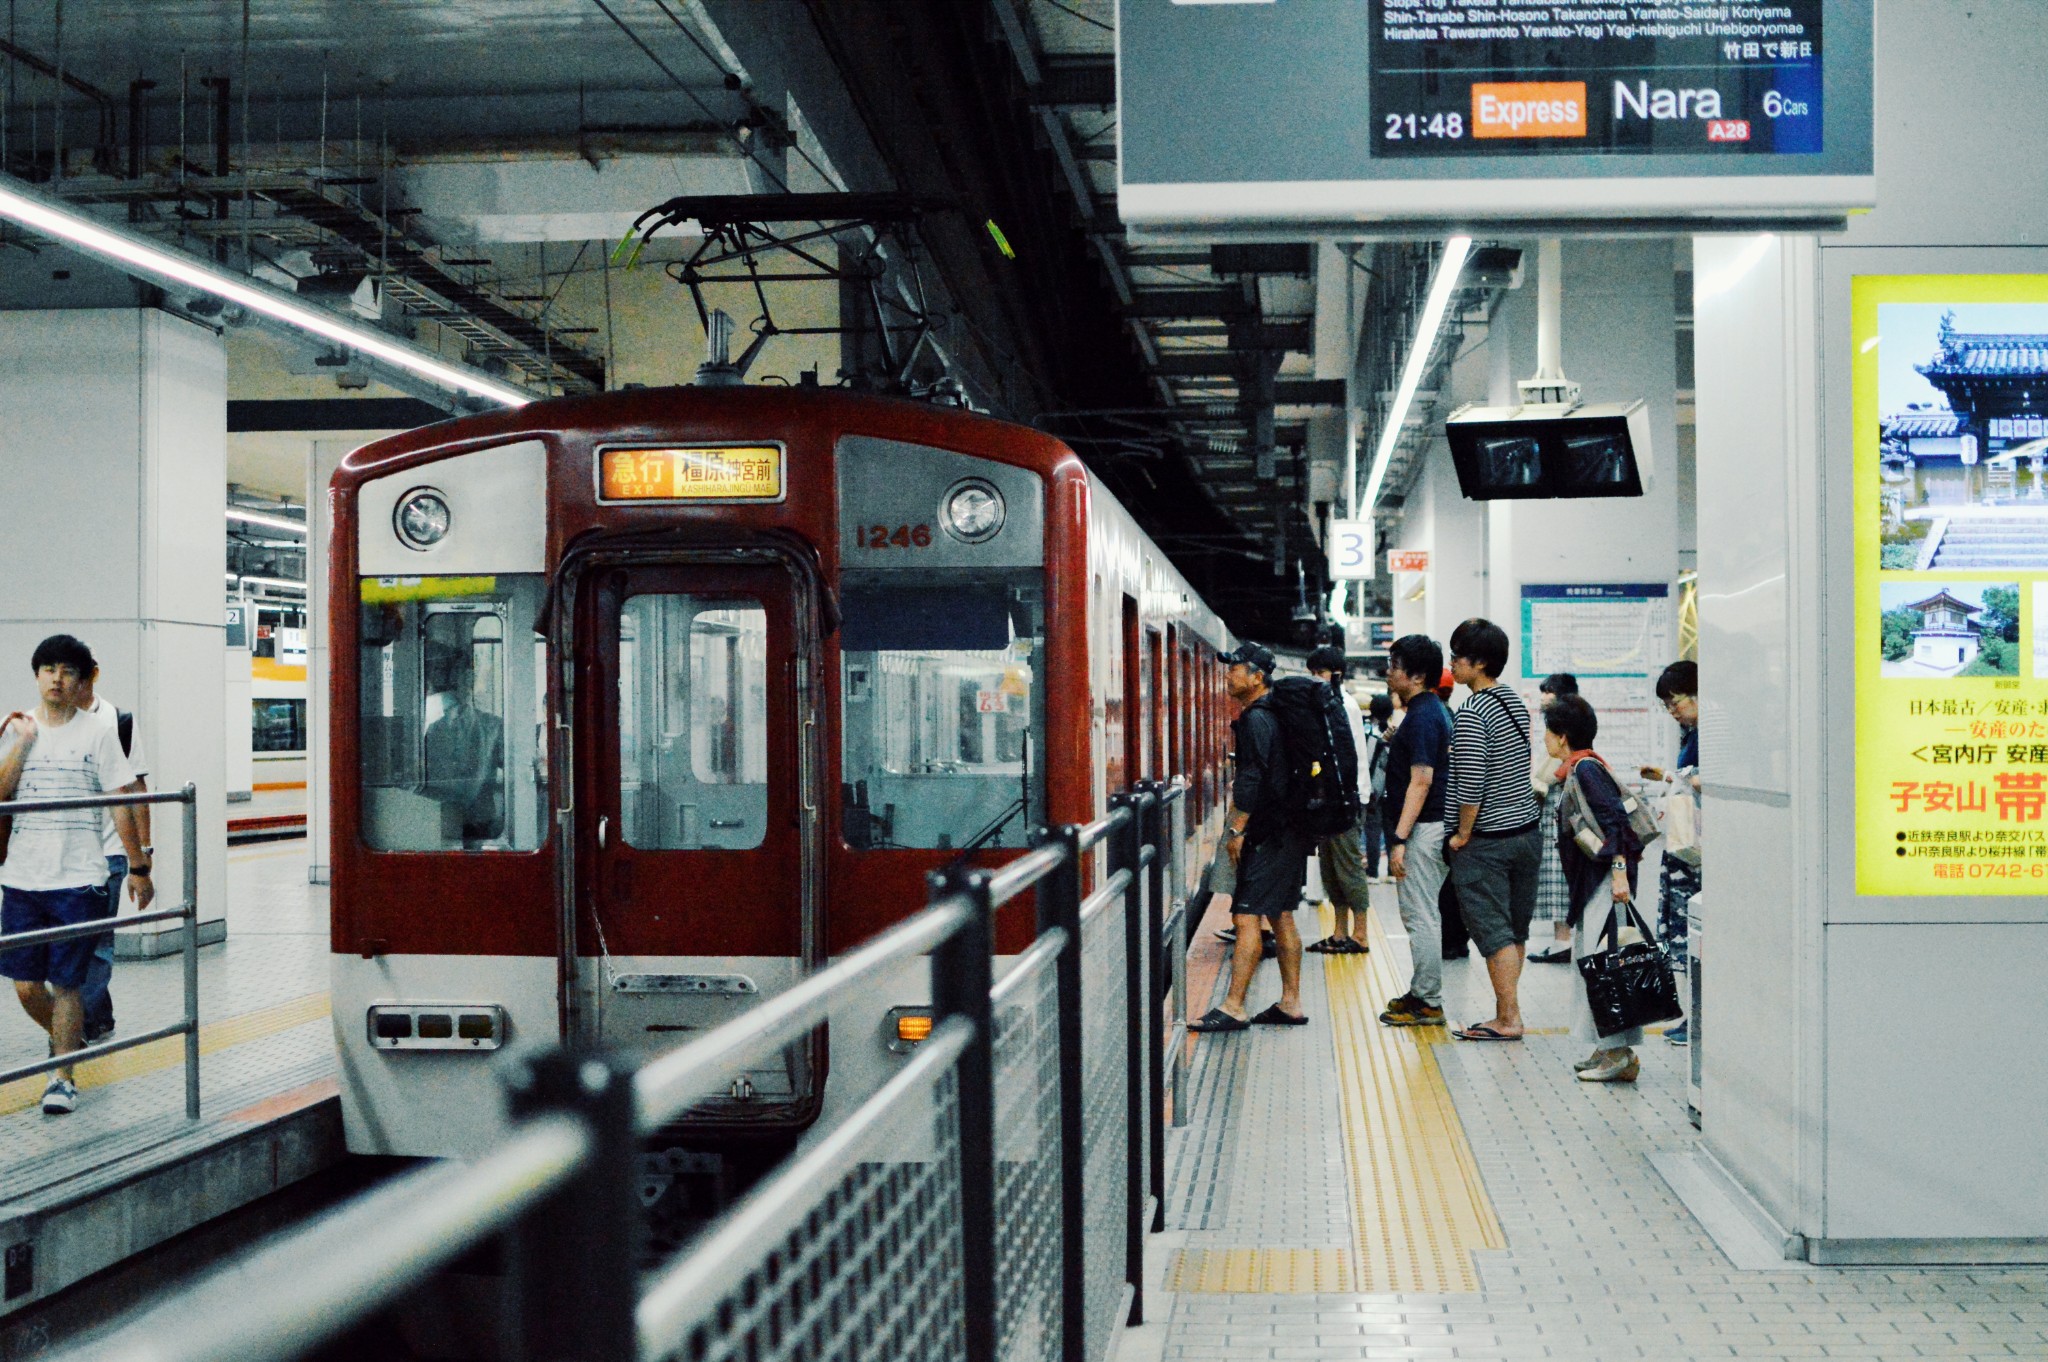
315,1283
186,912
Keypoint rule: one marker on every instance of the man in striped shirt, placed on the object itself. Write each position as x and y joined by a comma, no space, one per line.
1492,817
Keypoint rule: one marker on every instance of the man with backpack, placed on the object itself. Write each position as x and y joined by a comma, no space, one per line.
1270,853
1337,853
99,975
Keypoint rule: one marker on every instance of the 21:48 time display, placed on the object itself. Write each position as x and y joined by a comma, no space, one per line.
1415,127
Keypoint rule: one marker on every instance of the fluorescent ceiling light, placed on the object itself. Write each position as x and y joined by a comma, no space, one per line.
1440,289
275,522
277,582
140,255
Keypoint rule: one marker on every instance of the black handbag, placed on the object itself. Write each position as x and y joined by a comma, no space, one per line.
1629,986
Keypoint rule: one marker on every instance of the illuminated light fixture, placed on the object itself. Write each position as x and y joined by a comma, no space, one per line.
1440,290
275,522
278,583
907,1028
139,255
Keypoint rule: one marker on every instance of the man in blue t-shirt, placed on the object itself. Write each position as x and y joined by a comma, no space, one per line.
1413,814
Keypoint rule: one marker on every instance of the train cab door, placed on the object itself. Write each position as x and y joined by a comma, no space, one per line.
692,857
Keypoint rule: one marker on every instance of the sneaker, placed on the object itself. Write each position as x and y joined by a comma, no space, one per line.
1620,1066
60,1097
1408,1010
1592,1061
1678,1035
103,1034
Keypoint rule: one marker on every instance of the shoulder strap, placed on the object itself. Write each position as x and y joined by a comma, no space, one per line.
124,724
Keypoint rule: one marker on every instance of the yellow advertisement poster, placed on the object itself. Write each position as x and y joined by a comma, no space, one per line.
1951,412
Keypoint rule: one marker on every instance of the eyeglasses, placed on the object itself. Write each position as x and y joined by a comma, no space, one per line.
1671,703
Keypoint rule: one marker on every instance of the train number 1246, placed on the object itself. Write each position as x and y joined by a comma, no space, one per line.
901,537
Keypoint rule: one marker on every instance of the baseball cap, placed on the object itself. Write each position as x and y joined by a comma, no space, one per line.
1446,684
1251,655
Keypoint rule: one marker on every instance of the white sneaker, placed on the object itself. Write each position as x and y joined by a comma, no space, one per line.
60,1097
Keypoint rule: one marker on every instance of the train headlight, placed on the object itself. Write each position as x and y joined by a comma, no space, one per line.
972,511
422,518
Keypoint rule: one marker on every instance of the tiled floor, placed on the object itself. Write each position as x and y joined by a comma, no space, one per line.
1602,1261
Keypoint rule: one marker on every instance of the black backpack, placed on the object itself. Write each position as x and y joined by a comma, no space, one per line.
1322,765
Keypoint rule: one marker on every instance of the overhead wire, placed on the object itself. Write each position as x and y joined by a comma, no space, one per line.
1086,19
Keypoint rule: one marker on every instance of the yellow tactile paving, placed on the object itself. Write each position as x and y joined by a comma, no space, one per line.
167,1053
1300,1271
1419,1208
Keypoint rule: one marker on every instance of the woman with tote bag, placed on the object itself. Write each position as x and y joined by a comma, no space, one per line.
1600,868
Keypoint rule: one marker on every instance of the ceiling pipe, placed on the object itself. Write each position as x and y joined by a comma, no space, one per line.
1549,387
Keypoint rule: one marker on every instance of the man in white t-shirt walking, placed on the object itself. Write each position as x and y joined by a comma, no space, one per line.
55,874
99,1001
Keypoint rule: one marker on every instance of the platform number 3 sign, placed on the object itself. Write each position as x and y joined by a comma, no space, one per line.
1351,550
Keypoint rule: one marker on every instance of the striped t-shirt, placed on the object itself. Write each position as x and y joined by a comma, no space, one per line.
1490,758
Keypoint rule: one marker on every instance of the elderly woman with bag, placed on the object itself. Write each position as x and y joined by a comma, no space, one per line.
1600,864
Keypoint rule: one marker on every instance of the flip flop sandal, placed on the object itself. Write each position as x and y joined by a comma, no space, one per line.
1354,947
1327,946
1481,1031
1556,955
1273,1016
1216,1019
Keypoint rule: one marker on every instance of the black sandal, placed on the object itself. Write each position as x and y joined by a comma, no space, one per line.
1273,1016
1216,1019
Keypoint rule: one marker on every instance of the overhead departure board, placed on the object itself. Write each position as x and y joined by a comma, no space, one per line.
1313,116
1617,77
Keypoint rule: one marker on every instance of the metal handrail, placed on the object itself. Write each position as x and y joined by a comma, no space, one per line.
671,1084
321,1280
574,1147
187,911
718,1262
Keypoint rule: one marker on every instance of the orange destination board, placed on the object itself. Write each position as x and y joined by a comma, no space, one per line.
691,473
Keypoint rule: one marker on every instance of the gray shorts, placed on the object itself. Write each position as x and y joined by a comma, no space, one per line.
1270,876
1496,882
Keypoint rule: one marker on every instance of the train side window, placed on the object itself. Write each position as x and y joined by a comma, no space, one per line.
943,721
693,722
451,714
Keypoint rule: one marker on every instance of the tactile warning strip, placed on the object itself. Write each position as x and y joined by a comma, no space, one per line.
1419,1207
1277,1271
167,1053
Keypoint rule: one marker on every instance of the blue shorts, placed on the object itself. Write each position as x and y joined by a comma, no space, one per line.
60,963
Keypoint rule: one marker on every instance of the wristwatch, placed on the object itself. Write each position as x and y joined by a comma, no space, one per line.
142,870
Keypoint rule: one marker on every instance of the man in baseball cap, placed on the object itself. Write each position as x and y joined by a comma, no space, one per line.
1271,858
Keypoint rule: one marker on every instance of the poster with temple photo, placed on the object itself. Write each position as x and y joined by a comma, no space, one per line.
1950,398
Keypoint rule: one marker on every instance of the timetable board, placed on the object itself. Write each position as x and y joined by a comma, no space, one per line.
1616,639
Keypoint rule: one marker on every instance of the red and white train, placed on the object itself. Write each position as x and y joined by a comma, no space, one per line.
646,703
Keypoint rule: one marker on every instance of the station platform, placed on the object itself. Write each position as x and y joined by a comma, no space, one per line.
1346,1190
127,1169
271,813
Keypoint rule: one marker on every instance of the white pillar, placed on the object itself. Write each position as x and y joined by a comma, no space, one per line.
113,488
322,458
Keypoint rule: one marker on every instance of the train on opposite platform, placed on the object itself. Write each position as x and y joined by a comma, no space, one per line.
645,704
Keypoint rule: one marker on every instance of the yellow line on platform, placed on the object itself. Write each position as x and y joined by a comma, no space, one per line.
1419,1207
170,1052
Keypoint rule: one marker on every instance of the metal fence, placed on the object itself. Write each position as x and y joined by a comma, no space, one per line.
186,912
989,1201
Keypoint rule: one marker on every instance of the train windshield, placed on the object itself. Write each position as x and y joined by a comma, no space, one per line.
453,688
943,716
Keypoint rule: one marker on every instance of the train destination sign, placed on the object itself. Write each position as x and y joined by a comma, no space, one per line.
691,473
1318,116
1534,77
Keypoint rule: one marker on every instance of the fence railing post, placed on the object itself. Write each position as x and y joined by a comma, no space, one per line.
1059,905
190,795
1161,889
574,1263
1126,853
962,980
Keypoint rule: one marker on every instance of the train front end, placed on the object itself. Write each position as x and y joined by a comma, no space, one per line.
644,705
